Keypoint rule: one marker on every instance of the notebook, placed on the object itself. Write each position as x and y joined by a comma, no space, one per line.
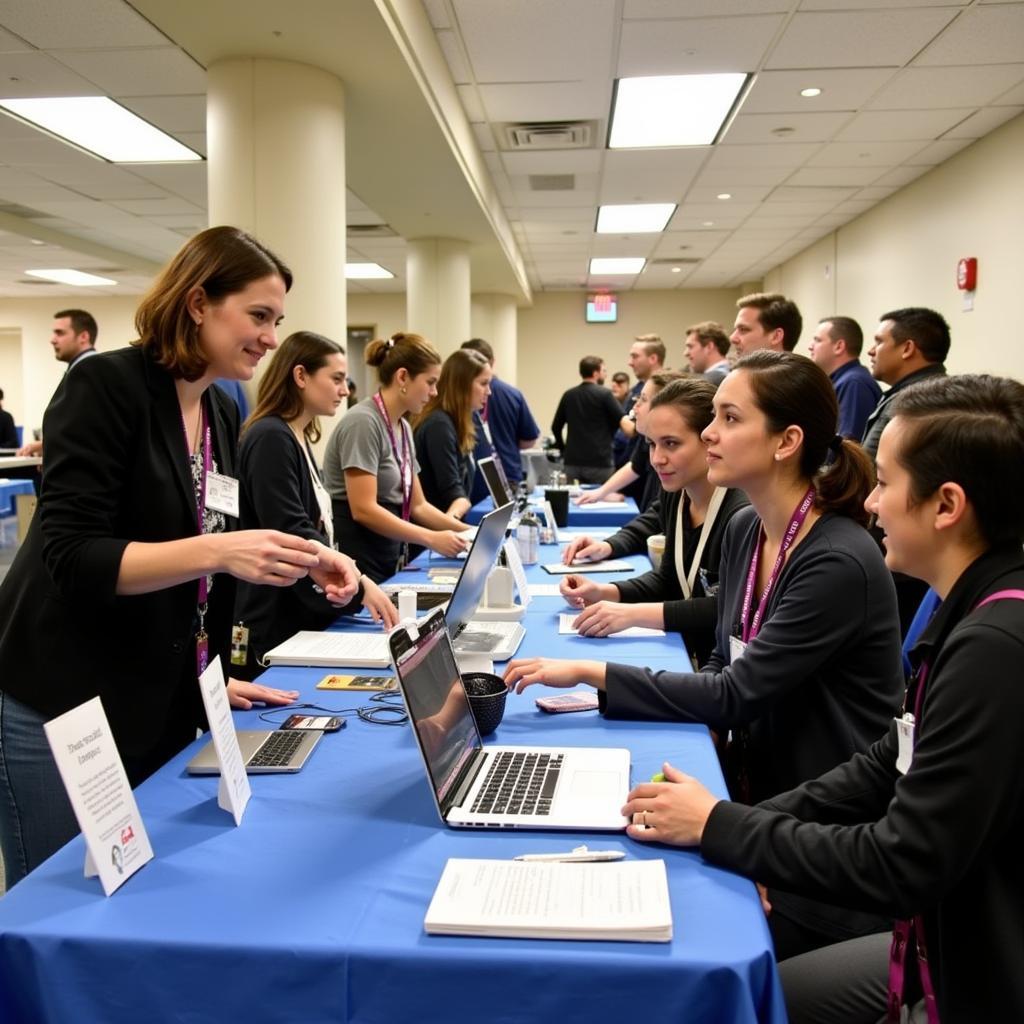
497,786
263,752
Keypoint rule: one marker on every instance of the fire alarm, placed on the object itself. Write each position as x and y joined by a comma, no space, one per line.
967,274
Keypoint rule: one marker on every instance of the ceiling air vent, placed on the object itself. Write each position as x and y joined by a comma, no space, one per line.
371,231
674,261
536,135
552,182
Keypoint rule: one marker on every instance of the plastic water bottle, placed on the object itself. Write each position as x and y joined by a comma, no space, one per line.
528,538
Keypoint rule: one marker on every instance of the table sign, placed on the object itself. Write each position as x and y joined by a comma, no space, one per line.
233,790
515,563
93,773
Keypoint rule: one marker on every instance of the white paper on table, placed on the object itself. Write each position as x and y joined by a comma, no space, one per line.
612,565
566,620
545,590
93,773
602,504
515,563
233,791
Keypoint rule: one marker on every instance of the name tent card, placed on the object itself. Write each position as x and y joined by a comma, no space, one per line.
93,773
515,563
233,791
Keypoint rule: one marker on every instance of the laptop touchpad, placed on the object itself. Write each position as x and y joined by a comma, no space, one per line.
590,785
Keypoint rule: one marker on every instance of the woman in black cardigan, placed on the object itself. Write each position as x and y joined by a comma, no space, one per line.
282,489
680,594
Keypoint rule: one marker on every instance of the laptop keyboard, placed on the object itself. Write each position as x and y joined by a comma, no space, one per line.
519,784
277,750
489,636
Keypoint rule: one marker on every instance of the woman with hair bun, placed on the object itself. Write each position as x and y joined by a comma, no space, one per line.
371,469
806,667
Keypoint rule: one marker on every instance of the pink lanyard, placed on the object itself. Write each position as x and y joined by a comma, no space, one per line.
405,463
749,628
202,638
906,932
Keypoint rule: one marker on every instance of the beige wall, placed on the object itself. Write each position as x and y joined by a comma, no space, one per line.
904,252
553,336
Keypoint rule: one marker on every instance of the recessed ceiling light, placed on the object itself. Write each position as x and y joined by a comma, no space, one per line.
101,127
637,217
677,270
617,264
65,275
709,223
810,92
724,195
366,272
672,110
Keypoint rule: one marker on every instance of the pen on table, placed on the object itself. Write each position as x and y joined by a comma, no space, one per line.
580,855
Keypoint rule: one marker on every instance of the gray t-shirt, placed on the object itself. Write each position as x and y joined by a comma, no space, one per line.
361,441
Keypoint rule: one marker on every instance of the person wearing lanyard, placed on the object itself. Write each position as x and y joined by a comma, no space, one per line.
806,667
370,465
281,488
680,594
928,824
123,587
445,432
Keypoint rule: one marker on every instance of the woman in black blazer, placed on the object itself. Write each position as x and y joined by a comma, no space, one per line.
104,595
282,489
679,595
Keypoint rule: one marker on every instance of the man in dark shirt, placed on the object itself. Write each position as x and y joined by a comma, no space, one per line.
8,431
836,347
592,416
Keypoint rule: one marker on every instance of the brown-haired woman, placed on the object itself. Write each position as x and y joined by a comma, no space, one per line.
446,433
123,588
281,488
371,470
806,667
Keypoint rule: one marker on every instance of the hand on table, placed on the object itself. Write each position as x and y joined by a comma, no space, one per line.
378,604
449,543
591,497
586,549
674,811
578,591
523,672
241,695
605,617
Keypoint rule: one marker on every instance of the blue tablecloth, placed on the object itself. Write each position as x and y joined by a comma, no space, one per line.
8,490
581,517
313,909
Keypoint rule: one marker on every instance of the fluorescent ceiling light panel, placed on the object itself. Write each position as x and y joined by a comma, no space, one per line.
633,218
617,265
66,276
100,127
366,271
672,110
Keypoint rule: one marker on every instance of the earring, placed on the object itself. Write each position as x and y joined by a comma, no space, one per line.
778,457
405,390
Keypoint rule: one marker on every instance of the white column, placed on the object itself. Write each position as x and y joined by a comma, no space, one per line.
437,299
495,319
276,151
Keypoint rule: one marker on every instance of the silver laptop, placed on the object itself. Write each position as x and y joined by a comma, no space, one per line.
497,786
263,752
497,481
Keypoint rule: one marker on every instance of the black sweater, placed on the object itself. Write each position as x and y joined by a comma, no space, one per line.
446,473
694,617
945,839
592,415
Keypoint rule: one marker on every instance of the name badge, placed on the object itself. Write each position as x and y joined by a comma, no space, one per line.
222,494
905,736
737,648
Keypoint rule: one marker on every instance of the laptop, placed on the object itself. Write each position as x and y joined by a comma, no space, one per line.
263,752
332,650
497,482
497,786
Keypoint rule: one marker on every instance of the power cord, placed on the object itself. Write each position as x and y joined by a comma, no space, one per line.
390,710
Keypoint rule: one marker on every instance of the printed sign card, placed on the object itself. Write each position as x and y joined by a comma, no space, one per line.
234,791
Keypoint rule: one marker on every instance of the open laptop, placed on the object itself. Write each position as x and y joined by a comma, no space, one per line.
497,786
497,482
263,751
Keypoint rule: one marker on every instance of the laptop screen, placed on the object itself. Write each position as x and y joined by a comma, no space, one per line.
479,562
497,482
437,704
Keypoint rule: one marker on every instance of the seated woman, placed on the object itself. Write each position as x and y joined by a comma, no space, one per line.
680,594
806,666
445,432
928,824
281,489
370,465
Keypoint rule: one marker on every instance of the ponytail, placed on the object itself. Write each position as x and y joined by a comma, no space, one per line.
845,483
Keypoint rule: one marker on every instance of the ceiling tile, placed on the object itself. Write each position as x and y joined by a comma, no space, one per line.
841,89
742,194
940,150
10,43
573,161
695,45
900,176
36,74
806,127
453,54
167,204
689,243
700,8
167,71
649,176
84,24
875,193
864,154
796,194
818,176
726,179
982,35
171,113
982,122
585,194
546,101
624,245
187,180
1013,97
842,5
725,215
921,88
858,38
536,40
898,125
438,13
790,155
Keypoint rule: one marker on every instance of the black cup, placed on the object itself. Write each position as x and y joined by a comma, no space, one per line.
558,497
487,695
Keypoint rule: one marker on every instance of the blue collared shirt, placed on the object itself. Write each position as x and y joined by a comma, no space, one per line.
857,393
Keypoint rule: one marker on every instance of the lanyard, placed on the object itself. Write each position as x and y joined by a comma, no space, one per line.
751,627
405,462
908,931
686,580
323,499
202,639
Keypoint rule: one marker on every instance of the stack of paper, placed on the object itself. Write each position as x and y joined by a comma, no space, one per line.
566,627
620,902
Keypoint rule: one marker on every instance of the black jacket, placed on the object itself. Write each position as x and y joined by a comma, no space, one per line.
695,617
276,493
631,539
945,839
117,471
592,415
446,473
8,431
